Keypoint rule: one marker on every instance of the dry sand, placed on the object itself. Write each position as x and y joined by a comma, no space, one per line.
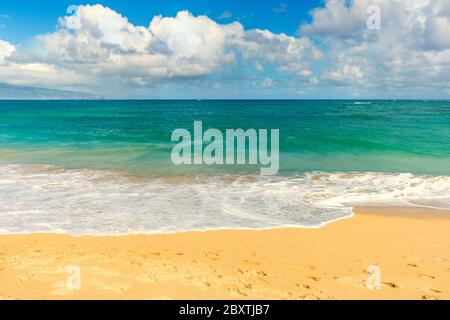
411,246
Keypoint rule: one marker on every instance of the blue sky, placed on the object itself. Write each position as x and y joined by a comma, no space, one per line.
229,49
42,16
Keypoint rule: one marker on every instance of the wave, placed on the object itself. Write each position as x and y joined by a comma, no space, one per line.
41,198
362,102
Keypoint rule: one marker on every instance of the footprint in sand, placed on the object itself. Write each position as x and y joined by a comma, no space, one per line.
261,273
391,285
246,285
212,255
136,263
235,292
412,265
309,296
429,297
198,282
427,276
254,274
315,279
304,286
435,291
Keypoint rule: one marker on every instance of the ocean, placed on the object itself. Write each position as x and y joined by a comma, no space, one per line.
104,167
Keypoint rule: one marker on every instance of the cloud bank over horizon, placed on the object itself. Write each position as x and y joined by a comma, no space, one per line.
98,50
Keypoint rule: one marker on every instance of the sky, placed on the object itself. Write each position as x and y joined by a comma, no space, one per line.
372,49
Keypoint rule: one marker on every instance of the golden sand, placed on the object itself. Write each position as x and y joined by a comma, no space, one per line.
411,247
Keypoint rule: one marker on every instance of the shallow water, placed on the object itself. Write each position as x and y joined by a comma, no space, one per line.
104,167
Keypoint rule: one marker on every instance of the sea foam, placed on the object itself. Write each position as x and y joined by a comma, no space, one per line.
40,198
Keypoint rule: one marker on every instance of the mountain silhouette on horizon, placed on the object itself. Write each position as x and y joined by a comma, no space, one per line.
15,92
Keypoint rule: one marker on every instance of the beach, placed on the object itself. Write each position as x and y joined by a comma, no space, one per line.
94,208
202,151
409,245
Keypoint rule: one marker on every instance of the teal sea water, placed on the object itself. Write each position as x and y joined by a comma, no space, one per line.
382,136
105,166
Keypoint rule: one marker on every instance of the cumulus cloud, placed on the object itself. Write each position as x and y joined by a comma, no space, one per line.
337,20
410,49
6,49
18,68
290,54
19,72
197,44
95,45
437,26
98,41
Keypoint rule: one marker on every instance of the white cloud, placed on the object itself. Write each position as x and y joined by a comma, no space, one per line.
39,74
410,50
97,46
196,41
336,20
17,69
100,42
291,54
6,49
345,72
437,26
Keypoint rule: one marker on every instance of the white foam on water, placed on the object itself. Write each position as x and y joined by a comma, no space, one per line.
38,198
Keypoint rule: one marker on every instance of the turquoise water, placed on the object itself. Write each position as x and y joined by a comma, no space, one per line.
381,136
104,167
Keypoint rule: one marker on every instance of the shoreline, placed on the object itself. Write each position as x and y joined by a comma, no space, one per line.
141,206
411,211
409,244
156,233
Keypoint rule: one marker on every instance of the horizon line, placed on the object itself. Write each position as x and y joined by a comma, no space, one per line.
233,99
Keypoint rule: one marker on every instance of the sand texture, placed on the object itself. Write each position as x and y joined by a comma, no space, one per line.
411,247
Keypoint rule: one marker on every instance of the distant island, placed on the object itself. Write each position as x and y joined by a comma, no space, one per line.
13,92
